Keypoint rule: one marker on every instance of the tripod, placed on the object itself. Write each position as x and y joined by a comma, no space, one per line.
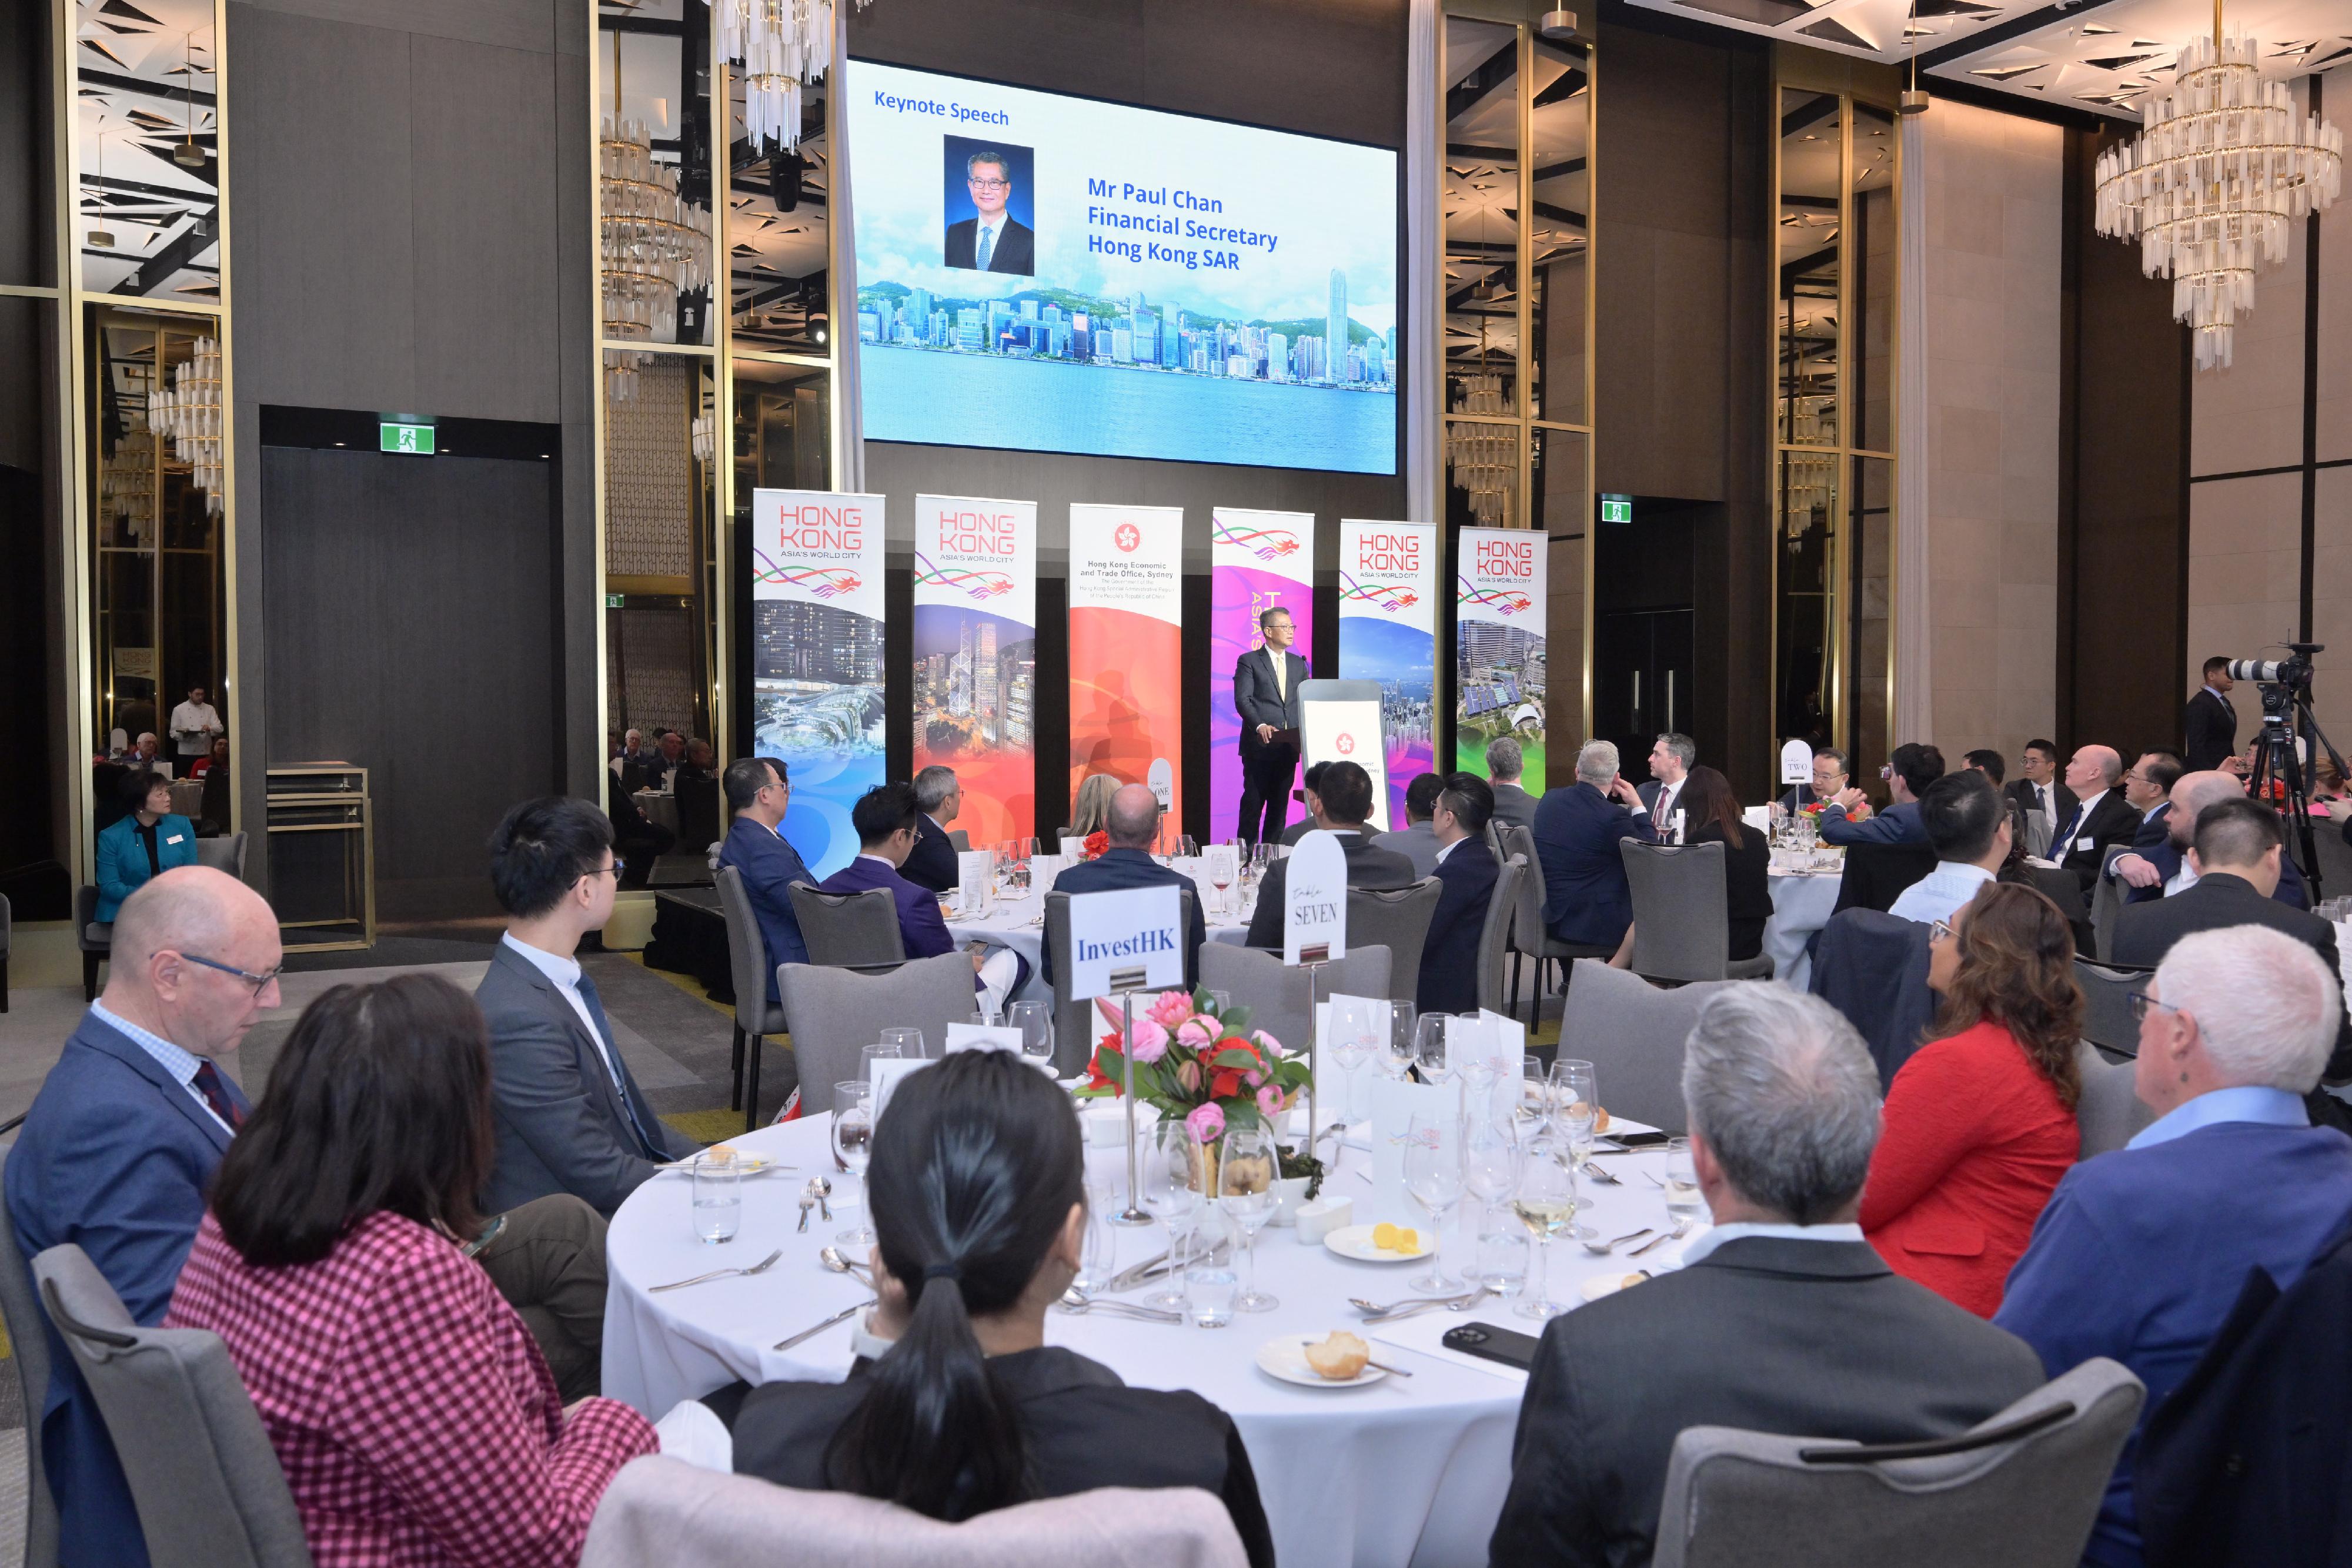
2278,761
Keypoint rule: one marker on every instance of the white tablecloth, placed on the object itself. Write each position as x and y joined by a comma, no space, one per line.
1800,906
1403,1471
1019,924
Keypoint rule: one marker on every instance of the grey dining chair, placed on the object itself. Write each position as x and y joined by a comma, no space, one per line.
28,1342
2108,1110
202,1473
2107,988
756,1017
960,840
1276,996
226,852
95,941
2020,1489
1633,1032
1530,938
2106,902
1494,938
1075,1021
1682,914
849,930
837,1012
1397,919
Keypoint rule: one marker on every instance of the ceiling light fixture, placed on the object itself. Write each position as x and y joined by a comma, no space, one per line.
189,412
781,45
1558,24
655,244
2210,185
1913,100
187,154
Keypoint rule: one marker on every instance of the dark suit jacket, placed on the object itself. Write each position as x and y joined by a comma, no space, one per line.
1801,1338
1899,824
1649,790
561,1123
1015,252
933,862
2154,829
1449,954
2112,821
1082,1427
2062,799
2292,891
2144,932
921,926
1586,899
1116,869
1255,700
1368,866
769,865
1515,806
114,1156
2209,729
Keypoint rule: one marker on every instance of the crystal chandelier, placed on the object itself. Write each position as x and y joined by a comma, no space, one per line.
780,44
188,412
126,484
656,245
1484,458
2220,169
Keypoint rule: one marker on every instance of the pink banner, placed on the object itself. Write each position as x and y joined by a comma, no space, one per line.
1257,561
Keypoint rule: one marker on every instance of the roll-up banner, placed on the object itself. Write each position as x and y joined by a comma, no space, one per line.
1387,632
1127,647
816,659
976,657
1498,648
1257,561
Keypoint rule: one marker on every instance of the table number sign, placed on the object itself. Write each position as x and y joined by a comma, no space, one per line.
1796,763
1315,910
983,1036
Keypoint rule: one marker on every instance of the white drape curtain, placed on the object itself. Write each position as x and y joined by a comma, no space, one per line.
1424,272
1913,631
848,414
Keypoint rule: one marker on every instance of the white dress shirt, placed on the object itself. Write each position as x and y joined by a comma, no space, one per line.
1444,849
2059,851
565,973
1941,892
194,725
1715,1238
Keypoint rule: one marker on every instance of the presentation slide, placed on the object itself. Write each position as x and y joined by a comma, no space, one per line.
1042,273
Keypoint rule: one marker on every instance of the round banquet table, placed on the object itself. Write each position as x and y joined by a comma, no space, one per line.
1401,1471
1801,903
1019,924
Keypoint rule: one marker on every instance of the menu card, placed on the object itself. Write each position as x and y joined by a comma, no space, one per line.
1394,1107
973,868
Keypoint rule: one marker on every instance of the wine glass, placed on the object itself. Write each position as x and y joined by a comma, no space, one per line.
1245,1192
888,1050
1035,1022
1399,1042
1352,1037
1429,1052
1576,1092
853,1143
1432,1178
1544,1201
1490,1164
1685,1203
1535,1091
910,1042
1169,1196
1221,877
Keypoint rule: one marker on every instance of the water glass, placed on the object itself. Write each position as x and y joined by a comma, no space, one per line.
1683,1200
1209,1296
1502,1263
1035,1022
1534,1090
1352,1037
1490,1163
853,1144
982,1017
718,1197
1098,1260
886,1051
910,1042
1576,1094
1432,1178
1221,1002
1246,1171
1398,1047
1168,1194
1431,1053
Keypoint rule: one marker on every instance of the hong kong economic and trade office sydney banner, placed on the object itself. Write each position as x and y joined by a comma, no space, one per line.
976,657
1387,632
1127,647
1258,560
1499,668
816,658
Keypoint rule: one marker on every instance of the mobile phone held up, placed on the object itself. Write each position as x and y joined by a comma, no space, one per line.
1485,1340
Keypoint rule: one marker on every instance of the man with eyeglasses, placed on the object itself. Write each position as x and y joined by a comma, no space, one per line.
122,1140
992,240
2143,1252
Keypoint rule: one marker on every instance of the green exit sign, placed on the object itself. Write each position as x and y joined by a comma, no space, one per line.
413,439
1616,508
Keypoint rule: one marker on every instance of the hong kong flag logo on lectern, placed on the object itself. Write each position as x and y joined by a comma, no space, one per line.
1346,744
1130,539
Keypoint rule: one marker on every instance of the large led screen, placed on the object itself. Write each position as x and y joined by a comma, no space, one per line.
1042,273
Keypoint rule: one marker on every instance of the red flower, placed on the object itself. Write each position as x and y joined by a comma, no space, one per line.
1095,1078
1224,1084
1096,844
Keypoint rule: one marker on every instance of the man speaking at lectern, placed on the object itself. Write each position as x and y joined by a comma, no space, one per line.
1266,695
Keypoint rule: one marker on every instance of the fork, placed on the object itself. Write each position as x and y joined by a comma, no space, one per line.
762,1267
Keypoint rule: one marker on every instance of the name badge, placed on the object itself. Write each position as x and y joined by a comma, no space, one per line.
2083,844
175,838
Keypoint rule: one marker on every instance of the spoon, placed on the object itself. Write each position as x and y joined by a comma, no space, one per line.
832,1257
1076,1300
1602,1248
1682,1228
820,1189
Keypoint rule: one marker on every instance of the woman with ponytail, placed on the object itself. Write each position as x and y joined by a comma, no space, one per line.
978,1190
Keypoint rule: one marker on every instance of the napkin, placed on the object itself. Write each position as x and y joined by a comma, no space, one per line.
973,1037
973,868
1423,1333
1395,1105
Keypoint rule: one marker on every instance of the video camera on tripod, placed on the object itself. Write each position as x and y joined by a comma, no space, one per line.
2281,760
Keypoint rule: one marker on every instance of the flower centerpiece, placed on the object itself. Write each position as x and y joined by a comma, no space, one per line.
1094,843
1205,1067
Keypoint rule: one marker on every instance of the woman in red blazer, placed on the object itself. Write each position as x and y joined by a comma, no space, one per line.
417,1426
1979,1124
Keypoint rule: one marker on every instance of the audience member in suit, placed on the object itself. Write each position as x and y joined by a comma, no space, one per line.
1972,834
569,1113
1266,697
1465,872
979,1197
2236,855
700,763
1782,1319
1979,1122
1133,826
1345,800
2209,725
1711,815
1670,764
756,847
1829,782
2142,1252
885,818
1505,765
1417,840
149,754
149,840
933,863
2039,788
1910,770
120,1144
654,772
1310,785
2162,870
2148,787
2102,818
1586,899
637,839
408,1405
1987,762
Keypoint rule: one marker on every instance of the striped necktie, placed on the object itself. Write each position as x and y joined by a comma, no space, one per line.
207,1083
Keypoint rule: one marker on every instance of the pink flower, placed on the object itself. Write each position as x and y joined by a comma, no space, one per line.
1273,1047
1150,1042
1188,1075
1171,1008
1270,1100
1206,1123
1196,1031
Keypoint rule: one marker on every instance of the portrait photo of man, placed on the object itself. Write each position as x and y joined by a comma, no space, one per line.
988,181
